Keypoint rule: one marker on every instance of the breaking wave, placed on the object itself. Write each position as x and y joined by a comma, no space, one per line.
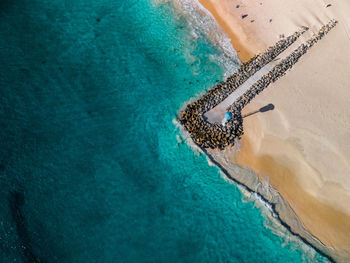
200,22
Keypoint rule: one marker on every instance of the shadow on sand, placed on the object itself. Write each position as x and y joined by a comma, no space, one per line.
263,109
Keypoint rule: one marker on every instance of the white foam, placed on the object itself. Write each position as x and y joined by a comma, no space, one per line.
272,222
201,22
186,137
210,163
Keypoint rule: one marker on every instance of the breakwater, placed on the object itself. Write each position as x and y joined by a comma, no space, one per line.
212,135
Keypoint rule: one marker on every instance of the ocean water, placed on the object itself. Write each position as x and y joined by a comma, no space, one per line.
92,166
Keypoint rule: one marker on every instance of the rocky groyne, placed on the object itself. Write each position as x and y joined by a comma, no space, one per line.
209,135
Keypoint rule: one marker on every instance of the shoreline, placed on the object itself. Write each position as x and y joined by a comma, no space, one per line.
201,22
213,136
252,185
257,137
244,52
274,206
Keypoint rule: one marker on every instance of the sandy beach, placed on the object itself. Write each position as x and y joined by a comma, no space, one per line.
302,146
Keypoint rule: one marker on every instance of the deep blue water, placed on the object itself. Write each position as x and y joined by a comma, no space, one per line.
91,165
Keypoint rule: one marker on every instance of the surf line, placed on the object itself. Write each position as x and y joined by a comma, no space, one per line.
205,119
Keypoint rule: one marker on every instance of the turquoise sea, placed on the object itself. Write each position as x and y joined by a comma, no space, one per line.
92,166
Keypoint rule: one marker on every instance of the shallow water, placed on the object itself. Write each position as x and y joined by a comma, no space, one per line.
92,166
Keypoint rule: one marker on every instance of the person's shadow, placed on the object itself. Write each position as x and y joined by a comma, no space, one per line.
263,109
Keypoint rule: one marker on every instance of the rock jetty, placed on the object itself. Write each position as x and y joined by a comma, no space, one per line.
208,135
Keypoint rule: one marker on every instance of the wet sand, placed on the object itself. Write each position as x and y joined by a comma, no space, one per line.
303,145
